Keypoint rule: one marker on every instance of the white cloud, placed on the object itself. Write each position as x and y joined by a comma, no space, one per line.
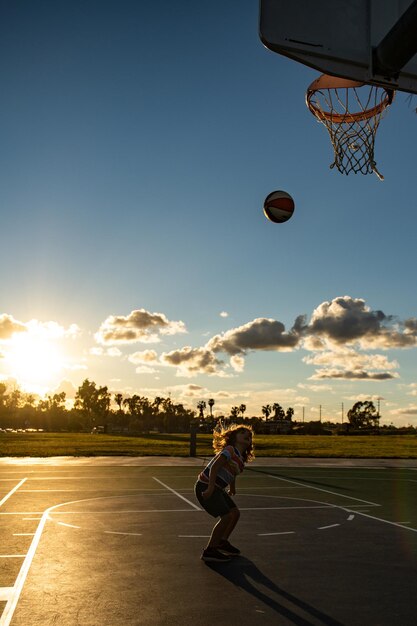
74,367
49,330
67,387
145,356
411,409
259,334
192,361
338,333
111,352
9,326
144,369
237,362
352,375
411,389
315,388
345,321
114,352
138,326
363,397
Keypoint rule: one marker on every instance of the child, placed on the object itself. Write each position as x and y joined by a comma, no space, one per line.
234,448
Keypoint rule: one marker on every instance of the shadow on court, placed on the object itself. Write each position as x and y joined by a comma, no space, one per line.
243,573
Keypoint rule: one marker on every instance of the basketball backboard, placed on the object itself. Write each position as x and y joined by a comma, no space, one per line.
343,37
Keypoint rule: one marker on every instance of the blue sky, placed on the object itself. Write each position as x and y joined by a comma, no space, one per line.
138,142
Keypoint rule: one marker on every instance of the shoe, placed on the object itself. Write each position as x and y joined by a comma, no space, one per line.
212,554
227,547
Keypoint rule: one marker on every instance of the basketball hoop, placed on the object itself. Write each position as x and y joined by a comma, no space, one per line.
351,112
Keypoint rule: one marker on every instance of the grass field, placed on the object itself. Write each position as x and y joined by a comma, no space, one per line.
79,444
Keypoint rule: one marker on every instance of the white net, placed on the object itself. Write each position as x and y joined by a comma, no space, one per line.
351,115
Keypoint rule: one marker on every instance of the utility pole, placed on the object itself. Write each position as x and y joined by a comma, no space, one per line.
320,412
342,412
303,415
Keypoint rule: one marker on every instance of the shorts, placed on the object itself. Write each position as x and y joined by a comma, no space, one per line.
219,503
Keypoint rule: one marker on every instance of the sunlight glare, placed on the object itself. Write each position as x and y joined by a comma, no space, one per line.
33,361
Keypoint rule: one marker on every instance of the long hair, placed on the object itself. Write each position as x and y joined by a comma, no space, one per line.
223,437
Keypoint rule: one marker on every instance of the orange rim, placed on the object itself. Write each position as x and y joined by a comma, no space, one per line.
334,82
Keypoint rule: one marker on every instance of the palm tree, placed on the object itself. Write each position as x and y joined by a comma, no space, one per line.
234,411
279,413
242,409
157,402
266,410
210,402
118,398
201,405
289,414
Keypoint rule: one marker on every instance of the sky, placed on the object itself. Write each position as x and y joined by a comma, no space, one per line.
138,142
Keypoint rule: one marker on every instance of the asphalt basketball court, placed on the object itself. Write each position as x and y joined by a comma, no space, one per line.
110,542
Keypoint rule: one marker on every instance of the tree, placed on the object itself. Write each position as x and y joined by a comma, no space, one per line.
93,402
363,415
14,400
234,412
133,405
242,409
3,398
289,414
157,403
118,398
211,403
201,405
140,412
54,409
266,410
279,413
3,390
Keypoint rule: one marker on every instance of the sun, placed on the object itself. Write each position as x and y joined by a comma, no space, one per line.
34,361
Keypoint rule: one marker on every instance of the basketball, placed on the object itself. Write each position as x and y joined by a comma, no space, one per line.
279,206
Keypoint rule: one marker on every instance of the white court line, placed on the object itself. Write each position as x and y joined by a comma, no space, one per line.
68,525
286,508
20,513
384,521
287,532
12,556
6,497
378,519
115,532
199,536
23,534
325,527
121,512
5,593
333,493
77,490
14,595
177,494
